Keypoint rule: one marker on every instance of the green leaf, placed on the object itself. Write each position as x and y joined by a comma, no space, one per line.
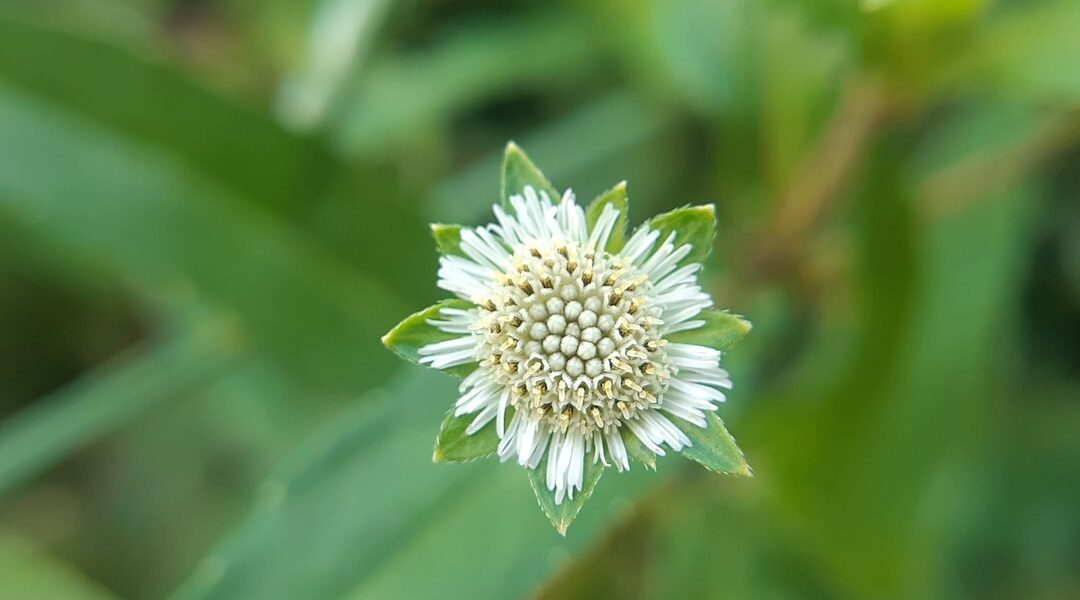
110,396
722,330
517,172
713,446
694,225
562,515
414,332
156,221
447,238
378,519
243,149
403,94
616,197
29,572
454,445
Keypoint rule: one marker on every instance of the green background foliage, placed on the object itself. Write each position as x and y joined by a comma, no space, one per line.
211,211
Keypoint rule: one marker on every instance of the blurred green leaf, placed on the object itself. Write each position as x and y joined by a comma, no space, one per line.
1027,52
455,445
518,172
616,197
109,397
378,519
562,514
722,330
28,572
160,223
588,148
406,94
694,225
114,88
414,332
713,446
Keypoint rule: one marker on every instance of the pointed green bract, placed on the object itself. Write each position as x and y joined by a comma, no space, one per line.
455,445
415,332
517,172
722,330
694,225
638,452
447,238
616,197
562,515
713,446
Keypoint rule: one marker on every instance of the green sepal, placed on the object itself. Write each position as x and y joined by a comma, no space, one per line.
722,330
517,172
616,197
562,515
713,446
694,225
447,238
454,445
637,451
413,333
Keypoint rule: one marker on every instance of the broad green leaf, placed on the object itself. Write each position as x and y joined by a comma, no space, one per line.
377,519
454,445
402,94
517,172
564,513
617,198
415,332
722,330
694,225
107,398
713,446
447,238
29,572
245,150
162,224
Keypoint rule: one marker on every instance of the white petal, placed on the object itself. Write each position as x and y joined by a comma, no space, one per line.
617,449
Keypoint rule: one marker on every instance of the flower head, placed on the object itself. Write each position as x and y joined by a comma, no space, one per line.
582,351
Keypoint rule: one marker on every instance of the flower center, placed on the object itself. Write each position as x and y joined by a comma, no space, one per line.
573,335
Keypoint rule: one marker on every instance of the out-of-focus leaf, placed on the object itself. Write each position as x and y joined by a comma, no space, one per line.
454,444
154,103
341,36
378,519
105,399
96,193
518,172
414,332
587,149
722,330
1028,53
409,93
616,197
447,238
713,446
694,225
28,572
562,514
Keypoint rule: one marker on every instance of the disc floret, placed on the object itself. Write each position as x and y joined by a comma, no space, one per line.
572,333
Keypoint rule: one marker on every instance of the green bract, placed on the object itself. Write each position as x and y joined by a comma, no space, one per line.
584,394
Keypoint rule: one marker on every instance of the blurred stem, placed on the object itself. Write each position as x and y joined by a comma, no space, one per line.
961,184
99,403
819,178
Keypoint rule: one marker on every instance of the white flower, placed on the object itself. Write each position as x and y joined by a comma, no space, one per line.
571,341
